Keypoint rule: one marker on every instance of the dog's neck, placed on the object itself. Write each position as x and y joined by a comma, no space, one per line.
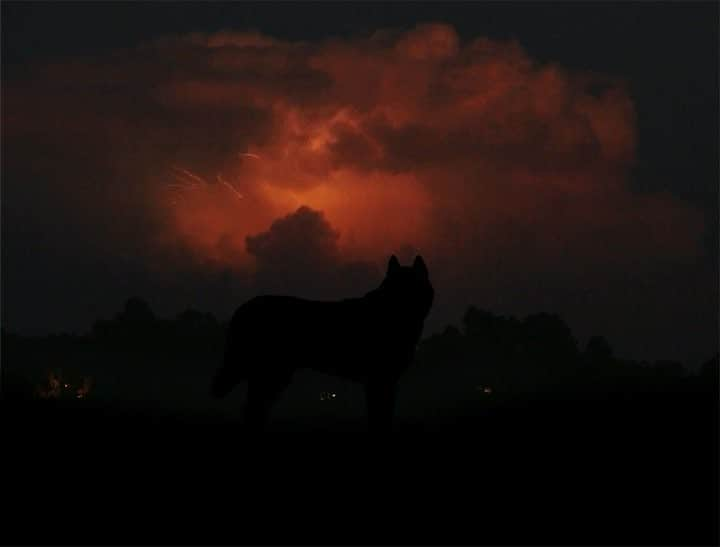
378,297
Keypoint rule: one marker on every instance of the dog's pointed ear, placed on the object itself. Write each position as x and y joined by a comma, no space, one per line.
393,265
419,266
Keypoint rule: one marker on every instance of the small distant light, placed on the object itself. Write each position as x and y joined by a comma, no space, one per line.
487,390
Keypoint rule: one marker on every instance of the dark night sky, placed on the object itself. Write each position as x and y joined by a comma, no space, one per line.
57,271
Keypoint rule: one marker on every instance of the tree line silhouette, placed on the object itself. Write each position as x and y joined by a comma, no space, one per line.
538,353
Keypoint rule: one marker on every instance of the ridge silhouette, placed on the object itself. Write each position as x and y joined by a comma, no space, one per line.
369,339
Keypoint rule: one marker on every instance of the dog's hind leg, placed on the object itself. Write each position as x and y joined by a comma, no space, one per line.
262,393
380,396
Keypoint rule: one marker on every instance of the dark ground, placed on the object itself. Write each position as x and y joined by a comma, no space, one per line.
571,447
633,468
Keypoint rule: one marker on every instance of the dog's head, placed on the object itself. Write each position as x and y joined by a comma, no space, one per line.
409,286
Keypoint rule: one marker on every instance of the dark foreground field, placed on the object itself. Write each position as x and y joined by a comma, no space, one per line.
633,469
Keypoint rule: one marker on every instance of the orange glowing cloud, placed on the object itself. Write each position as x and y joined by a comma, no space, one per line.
469,151
415,138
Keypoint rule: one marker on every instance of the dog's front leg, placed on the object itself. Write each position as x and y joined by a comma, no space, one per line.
380,396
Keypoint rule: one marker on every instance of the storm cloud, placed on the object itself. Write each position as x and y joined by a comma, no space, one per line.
281,164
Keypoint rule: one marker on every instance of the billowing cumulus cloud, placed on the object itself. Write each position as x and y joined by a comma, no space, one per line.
244,153
304,236
299,253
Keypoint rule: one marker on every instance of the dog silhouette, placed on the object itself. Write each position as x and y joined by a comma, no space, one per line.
369,339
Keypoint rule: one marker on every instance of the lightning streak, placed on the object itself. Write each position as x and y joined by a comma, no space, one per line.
230,186
192,176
